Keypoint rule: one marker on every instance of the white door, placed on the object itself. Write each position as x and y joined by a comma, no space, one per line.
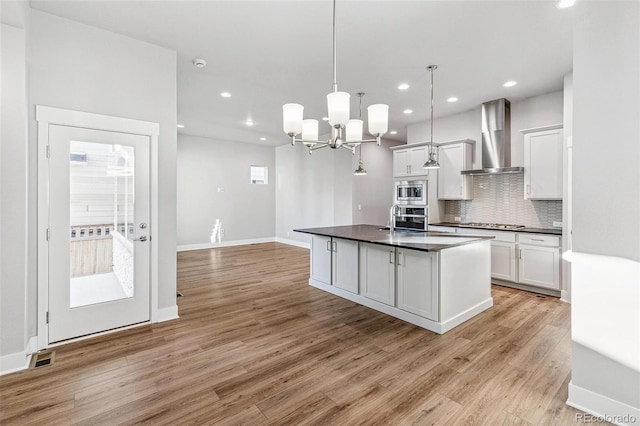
99,231
377,272
345,265
418,283
321,259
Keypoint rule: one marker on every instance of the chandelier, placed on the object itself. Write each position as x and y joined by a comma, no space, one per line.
345,132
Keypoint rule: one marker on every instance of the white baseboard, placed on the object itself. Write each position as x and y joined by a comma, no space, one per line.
466,315
166,314
205,246
18,361
565,296
293,242
600,406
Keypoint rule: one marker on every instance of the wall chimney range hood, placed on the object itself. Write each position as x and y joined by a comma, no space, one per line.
496,139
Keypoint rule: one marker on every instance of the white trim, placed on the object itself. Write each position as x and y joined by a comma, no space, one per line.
88,120
466,315
166,314
46,116
542,128
600,405
18,361
206,246
565,296
293,242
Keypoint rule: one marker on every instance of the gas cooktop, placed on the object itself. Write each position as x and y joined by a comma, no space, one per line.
490,225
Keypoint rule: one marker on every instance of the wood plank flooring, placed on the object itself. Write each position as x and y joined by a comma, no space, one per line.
256,345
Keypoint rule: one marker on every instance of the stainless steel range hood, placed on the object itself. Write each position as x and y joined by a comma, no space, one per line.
496,139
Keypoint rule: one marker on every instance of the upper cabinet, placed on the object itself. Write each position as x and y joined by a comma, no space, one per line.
543,163
453,158
409,159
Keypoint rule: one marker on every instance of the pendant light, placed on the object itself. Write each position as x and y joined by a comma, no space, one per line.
431,163
354,131
345,133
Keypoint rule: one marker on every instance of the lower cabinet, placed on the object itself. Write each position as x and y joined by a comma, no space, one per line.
377,272
539,266
344,259
417,280
321,259
413,273
334,262
503,260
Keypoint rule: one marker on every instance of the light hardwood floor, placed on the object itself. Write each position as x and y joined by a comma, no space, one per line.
255,344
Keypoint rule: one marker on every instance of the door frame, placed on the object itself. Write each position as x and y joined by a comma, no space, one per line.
46,116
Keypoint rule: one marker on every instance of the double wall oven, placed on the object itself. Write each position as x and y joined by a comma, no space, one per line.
412,209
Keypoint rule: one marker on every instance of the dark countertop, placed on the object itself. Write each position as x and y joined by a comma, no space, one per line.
550,231
407,239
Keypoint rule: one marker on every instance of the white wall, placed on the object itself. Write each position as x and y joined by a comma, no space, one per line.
247,211
15,327
311,190
79,67
373,193
606,209
536,111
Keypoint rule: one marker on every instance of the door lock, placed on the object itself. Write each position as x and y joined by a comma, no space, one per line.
143,225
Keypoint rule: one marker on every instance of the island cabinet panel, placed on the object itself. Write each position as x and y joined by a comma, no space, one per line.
417,280
377,272
321,259
345,264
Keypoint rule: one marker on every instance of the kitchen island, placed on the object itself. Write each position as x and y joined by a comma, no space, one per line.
430,279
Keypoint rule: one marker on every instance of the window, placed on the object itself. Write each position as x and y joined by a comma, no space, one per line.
259,175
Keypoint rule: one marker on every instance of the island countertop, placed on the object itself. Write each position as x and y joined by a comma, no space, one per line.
423,241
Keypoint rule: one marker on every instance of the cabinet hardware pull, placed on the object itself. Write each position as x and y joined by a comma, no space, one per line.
335,247
329,245
390,257
400,258
528,189
537,239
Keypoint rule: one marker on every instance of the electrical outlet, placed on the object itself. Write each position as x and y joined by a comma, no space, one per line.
222,233
557,224
221,189
457,218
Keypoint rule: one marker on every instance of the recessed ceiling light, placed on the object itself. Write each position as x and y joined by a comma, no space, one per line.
408,111
225,94
180,126
510,83
263,139
199,63
403,86
452,99
563,4
325,118
393,132
249,122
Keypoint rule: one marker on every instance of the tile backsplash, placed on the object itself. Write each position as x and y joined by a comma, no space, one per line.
500,199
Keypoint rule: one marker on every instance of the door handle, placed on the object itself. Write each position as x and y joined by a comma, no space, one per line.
142,238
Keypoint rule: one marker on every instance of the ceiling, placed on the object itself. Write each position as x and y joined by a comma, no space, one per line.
268,53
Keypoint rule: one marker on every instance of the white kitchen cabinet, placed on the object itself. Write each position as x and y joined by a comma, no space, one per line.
377,272
453,158
503,260
408,161
539,260
417,281
345,264
321,259
543,163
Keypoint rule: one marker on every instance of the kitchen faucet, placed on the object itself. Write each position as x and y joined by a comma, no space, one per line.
392,217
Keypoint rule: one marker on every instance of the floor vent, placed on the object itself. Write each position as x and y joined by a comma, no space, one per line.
540,296
179,294
42,358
